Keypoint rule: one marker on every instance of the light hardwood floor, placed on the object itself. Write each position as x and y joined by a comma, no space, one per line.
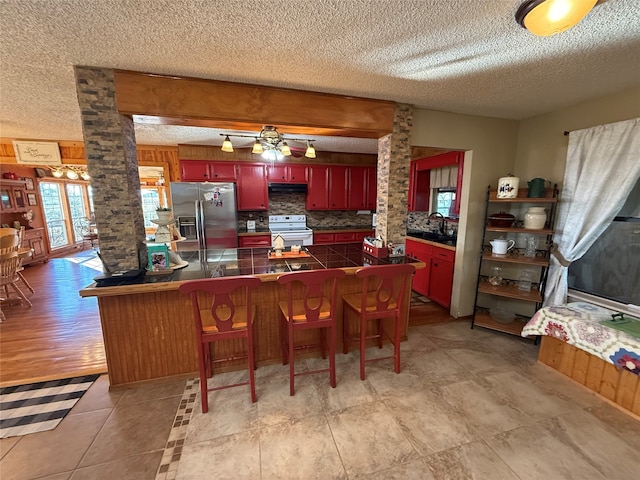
60,336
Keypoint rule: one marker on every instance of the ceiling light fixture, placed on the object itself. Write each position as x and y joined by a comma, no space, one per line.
270,144
72,172
548,17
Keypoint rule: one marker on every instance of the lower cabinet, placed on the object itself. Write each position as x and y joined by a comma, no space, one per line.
255,241
441,281
33,238
320,238
435,281
340,237
420,251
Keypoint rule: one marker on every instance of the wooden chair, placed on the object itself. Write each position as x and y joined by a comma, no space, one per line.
9,263
224,318
311,310
10,241
382,297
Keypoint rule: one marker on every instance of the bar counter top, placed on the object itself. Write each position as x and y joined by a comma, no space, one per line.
246,261
148,327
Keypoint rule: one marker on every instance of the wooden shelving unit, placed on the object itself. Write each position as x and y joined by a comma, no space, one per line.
487,293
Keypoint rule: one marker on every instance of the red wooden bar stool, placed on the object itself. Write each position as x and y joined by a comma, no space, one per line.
224,319
383,292
312,309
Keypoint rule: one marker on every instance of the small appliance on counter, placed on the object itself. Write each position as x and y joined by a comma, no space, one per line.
251,225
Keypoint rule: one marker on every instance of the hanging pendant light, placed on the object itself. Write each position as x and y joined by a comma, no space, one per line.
311,151
257,147
548,17
227,146
285,150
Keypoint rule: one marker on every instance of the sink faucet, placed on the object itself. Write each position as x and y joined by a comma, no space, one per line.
441,227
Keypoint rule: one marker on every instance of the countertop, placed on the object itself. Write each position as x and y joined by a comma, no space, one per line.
445,241
243,232
246,261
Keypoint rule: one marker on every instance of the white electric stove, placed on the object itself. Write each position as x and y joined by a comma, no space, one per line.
292,228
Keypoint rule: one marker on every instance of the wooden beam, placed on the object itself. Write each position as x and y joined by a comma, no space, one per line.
171,100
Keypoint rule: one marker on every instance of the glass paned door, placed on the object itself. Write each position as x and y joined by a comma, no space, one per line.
54,214
79,218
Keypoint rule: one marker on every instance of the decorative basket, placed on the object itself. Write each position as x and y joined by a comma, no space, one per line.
375,251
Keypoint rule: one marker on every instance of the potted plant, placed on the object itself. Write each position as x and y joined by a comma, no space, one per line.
164,214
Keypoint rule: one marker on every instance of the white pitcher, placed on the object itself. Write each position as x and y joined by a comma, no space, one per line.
500,246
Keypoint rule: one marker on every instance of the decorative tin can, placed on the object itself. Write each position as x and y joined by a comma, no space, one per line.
508,187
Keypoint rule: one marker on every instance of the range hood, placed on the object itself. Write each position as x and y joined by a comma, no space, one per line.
287,188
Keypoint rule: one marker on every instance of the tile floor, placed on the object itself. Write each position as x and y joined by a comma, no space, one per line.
467,404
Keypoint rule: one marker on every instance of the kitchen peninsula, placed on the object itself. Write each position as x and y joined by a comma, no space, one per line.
148,328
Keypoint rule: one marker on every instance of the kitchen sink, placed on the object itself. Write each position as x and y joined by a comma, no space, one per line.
434,237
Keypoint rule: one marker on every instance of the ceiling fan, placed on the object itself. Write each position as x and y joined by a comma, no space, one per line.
272,145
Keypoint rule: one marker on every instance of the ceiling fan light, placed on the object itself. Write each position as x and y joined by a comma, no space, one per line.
257,147
285,150
311,151
227,146
548,17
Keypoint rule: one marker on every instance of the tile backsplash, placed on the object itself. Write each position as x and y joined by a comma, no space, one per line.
294,204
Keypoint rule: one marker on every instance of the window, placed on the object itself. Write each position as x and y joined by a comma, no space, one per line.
65,204
445,199
152,198
611,267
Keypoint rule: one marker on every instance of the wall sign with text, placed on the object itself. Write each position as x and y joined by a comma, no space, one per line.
37,153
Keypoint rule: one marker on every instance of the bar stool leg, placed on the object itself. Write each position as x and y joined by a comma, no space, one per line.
332,355
363,329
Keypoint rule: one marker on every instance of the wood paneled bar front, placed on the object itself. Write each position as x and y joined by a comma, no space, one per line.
148,327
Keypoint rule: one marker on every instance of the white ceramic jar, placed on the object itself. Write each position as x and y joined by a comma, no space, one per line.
508,187
535,218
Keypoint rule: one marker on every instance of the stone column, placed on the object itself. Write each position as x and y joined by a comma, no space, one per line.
394,161
110,148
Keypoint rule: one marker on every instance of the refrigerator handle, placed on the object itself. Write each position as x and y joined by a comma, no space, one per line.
203,238
198,223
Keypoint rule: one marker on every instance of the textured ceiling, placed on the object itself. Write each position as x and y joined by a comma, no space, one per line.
462,56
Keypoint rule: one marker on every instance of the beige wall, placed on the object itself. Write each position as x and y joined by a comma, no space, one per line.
490,144
542,147
531,148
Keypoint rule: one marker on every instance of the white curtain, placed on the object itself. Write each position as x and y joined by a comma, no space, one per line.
444,177
603,165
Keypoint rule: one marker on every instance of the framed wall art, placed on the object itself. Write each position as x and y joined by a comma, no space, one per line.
29,183
31,198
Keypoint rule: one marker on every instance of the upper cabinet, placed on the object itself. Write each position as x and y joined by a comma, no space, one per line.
12,196
318,190
294,173
362,189
420,179
338,184
339,187
204,171
252,187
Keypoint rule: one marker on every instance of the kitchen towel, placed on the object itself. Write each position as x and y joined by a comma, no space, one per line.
38,407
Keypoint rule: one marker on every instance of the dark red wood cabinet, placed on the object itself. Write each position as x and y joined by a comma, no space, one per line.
194,171
419,179
420,251
252,187
338,184
255,241
294,173
441,281
318,189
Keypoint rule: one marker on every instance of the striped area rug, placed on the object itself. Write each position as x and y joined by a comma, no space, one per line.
39,406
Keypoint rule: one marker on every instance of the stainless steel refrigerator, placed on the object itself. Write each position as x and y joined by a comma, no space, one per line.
205,214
